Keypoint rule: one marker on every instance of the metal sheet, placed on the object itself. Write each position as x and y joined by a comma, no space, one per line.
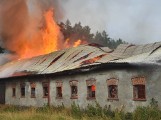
73,58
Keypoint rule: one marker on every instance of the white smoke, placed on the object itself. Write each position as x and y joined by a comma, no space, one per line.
136,21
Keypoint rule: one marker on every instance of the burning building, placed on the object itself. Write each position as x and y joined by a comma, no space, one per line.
127,76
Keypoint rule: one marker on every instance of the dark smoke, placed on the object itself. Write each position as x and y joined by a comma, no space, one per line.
46,4
21,22
14,18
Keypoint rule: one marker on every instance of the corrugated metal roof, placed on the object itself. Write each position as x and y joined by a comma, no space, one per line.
81,56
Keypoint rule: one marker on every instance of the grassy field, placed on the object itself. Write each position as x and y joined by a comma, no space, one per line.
31,113
96,112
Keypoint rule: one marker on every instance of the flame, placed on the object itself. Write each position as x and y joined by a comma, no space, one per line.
48,39
51,34
77,43
93,60
66,44
93,88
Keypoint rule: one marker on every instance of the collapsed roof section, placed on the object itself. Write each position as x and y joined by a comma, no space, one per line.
78,57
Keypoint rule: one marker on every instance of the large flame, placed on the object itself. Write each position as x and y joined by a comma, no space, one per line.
51,35
50,39
29,30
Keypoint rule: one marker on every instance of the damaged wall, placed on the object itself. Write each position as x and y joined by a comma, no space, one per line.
125,89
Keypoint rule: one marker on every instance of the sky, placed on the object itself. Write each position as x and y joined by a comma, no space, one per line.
134,21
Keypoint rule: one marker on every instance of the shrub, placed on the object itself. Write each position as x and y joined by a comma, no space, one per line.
154,103
147,113
108,112
140,113
154,113
128,116
76,111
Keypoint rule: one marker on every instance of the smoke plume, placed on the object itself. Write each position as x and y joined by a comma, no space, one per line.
135,21
24,28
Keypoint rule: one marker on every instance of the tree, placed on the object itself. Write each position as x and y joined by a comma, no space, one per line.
105,38
73,33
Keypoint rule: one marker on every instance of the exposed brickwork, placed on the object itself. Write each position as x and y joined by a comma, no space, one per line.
73,83
138,81
112,81
59,83
91,82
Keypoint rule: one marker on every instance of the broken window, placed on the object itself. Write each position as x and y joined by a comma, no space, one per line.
112,88
59,92
45,89
91,89
74,89
13,92
22,85
139,88
112,91
59,85
33,94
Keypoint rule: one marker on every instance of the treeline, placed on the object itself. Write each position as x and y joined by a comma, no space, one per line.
78,31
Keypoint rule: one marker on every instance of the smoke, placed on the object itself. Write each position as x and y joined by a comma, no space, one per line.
135,21
6,57
40,6
14,18
23,27
22,23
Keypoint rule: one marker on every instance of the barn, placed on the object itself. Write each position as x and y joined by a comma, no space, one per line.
128,76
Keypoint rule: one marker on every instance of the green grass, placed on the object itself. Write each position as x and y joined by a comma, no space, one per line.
96,112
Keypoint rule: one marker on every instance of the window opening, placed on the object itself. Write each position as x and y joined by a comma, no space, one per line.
22,89
74,89
112,91
13,92
139,92
45,90
33,92
59,94
91,89
112,84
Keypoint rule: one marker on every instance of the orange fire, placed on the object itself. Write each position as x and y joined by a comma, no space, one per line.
51,34
44,41
93,60
77,43
68,43
47,40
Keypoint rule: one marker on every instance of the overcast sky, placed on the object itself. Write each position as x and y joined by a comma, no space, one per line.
135,21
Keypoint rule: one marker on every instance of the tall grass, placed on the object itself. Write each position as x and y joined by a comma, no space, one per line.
92,112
